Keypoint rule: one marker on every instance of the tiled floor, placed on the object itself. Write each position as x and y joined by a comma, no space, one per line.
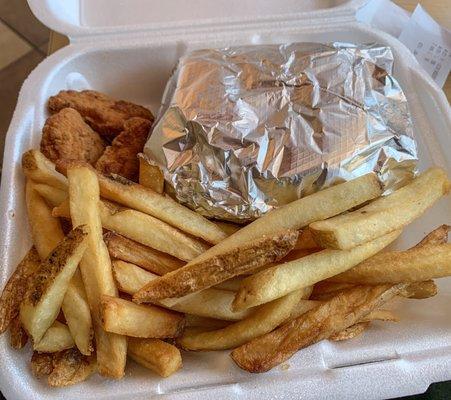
23,45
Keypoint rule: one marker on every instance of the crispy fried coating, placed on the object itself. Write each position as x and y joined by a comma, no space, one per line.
104,114
66,136
122,156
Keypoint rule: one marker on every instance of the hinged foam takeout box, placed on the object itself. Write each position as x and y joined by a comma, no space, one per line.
128,49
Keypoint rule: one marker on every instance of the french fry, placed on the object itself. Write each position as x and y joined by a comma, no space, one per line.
420,290
302,212
78,315
204,322
70,367
383,215
41,364
306,241
228,227
47,233
40,169
144,199
209,272
282,279
46,290
437,236
150,175
95,268
413,265
210,303
144,229
325,289
158,356
51,194
302,306
340,312
57,338
18,338
350,332
16,288
133,252
381,315
263,320
126,318
232,284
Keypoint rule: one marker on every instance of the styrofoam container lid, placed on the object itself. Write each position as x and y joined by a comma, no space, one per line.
127,48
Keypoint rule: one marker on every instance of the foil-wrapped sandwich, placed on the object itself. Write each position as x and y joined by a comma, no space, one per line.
245,129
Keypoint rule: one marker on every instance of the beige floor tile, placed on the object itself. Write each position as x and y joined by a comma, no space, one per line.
11,45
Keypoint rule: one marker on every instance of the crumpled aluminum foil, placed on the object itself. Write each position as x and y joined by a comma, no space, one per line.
242,130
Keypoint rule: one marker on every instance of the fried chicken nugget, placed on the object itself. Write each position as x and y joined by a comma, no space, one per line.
66,136
122,156
104,114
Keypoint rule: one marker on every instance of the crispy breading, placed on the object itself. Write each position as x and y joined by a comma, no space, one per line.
66,136
104,114
41,364
122,156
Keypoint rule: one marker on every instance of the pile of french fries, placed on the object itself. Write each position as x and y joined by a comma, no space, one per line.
119,269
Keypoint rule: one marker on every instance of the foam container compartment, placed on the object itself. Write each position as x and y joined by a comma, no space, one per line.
128,49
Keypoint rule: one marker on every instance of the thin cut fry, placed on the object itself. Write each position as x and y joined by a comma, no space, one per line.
350,332
383,215
46,290
144,229
16,287
133,252
57,338
337,314
413,265
18,337
282,279
209,272
51,194
95,268
126,318
211,303
40,169
70,367
144,199
302,212
158,356
263,320
150,175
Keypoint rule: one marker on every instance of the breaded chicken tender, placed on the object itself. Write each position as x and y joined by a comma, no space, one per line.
122,156
66,136
104,114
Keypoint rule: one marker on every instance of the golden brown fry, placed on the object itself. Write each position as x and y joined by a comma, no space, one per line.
263,320
52,195
381,315
158,356
228,227
232,284
133,252
282,279
126,318
78,315
46,290
18,338
306,241
302,212
209,272
437,236
335,315
16,287
204,322
70,367
41,364
420,290
383,215
212,303
96,269
40,169
150,175
350,332
140,198
57,338
303,306
144,229
326,289
413,265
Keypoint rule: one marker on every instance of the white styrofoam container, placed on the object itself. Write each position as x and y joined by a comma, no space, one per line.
128,49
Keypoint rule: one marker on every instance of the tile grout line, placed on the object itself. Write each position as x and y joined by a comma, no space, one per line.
30,43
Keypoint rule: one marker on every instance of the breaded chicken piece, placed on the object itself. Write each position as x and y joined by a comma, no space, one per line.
66,136
122,156
104,114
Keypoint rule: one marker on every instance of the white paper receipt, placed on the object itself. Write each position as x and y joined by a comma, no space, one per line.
430,43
